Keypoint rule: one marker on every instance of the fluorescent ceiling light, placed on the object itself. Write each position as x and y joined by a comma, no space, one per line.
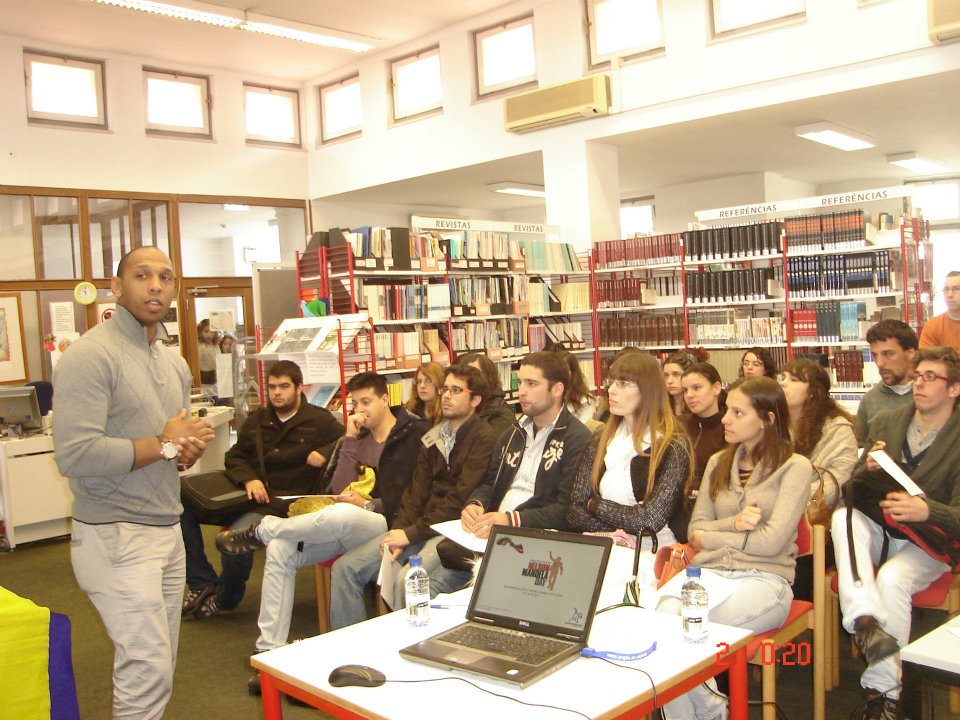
917,163
235,207
835,136
512,188
235,19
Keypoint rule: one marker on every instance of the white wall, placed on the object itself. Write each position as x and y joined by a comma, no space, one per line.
124,157
676,204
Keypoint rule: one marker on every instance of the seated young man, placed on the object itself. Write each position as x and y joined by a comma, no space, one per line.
450,465
280,447
376,437
922,438
531,470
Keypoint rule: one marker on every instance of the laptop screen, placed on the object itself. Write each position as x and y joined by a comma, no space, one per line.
541,578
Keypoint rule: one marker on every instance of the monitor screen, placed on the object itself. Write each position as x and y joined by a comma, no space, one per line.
18,406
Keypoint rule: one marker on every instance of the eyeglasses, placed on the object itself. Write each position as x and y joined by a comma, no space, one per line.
752,364
622,384
454,390
928,377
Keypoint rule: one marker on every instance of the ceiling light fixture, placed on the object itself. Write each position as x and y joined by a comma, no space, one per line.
513,188
235,19
916,163
835,136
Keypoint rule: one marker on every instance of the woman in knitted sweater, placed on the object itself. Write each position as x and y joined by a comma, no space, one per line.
631,477
744,524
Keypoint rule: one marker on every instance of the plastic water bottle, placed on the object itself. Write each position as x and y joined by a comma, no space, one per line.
694,611
417,595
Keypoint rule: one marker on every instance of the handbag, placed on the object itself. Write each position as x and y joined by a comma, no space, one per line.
819,510
362,486
932,539
672,560
213,498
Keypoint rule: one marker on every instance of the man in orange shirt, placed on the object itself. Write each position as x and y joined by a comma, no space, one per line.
944,330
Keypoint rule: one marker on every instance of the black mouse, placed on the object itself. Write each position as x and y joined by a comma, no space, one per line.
359,675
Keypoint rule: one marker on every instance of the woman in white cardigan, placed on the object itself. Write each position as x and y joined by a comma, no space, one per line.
744,524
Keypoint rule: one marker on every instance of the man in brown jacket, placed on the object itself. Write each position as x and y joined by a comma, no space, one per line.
450,465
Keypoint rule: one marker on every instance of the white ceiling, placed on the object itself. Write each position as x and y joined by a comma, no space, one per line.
918,115
86,24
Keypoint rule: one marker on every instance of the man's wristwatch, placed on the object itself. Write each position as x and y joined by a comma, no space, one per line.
168,450
369,506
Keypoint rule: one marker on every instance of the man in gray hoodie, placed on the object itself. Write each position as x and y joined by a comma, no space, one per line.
120,429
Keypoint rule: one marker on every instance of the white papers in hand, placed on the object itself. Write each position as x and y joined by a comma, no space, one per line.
389,569
453,529
894,471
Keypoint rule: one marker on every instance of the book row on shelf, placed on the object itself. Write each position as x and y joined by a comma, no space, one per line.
649,330
730,327
830,321
739,285
860,274
379,248
732,241
841,230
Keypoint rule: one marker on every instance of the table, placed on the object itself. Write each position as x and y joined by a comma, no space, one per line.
939,650
589,686
35,499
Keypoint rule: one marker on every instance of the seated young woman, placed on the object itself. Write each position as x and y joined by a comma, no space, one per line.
758,362
706,399
424,401
631,477
823,432
674,367
744,524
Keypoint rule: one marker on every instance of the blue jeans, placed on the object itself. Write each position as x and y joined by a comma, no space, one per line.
354,569
232,582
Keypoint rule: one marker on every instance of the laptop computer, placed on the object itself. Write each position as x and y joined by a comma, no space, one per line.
531,609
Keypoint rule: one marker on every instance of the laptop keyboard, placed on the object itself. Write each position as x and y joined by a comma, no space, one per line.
525,648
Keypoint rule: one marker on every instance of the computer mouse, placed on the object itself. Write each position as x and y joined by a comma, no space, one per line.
358,675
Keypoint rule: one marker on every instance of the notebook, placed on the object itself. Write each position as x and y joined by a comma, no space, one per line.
531,609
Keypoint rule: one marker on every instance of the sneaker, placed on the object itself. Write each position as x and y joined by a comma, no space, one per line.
208,608
238,542
877,706
874,642
195,598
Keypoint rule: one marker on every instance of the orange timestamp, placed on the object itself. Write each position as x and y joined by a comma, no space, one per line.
789,654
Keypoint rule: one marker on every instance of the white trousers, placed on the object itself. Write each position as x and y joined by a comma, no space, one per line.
134,575
886,595
325,534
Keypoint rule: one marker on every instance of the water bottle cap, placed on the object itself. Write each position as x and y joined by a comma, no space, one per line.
417,561
693,571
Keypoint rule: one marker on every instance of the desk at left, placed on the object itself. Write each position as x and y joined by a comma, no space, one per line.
35,499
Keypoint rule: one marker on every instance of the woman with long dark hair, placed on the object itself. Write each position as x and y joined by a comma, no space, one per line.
744,524
578,398
758,362
631,477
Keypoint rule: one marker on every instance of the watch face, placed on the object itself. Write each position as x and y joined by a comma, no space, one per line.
168,450
85,293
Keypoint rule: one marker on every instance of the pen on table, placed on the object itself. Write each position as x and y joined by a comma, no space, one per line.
438,606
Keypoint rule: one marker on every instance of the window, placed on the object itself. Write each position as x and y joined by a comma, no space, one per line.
623,28
416,84
636,217
505,56
733,15
16,238
117,226
63,89
177,103
58,245
273,115
341,111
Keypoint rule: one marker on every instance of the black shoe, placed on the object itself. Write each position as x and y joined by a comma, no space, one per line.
253,684
238,542
877,706
195,599
208,608
874,642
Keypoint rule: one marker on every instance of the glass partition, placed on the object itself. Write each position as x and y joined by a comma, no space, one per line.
117,226
16,238
59,238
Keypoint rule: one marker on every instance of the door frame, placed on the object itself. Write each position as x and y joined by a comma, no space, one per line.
192,288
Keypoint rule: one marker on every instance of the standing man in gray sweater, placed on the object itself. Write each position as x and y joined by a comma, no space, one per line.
120,429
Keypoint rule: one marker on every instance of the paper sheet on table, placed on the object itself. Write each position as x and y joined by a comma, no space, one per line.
894,471
387,577
718,587
453,529
955,631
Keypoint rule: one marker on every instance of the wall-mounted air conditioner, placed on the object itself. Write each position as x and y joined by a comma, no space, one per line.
577,100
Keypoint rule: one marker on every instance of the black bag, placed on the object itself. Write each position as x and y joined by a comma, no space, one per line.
455,556
213,498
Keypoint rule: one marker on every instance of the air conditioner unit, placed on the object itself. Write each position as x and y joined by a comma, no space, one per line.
583,98
943,20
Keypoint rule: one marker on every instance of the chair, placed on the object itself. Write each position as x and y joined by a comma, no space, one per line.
44,389
803,616
322,576
941,594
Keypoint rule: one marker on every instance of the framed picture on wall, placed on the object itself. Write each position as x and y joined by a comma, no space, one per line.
13,366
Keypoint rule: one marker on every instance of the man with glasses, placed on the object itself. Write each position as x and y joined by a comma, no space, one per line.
893,344
944,330
922,439
531,470
450,465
